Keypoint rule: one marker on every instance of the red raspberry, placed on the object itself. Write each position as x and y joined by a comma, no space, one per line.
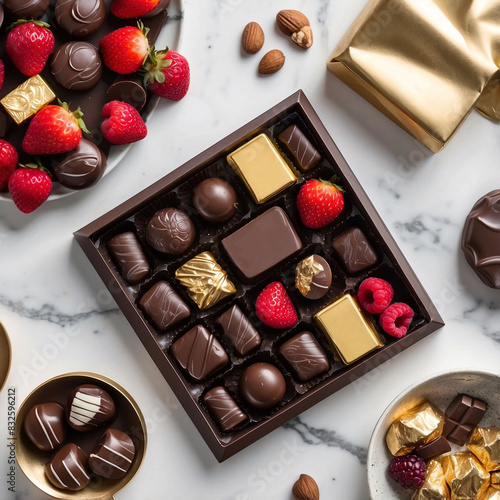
374,295
409,471
396,319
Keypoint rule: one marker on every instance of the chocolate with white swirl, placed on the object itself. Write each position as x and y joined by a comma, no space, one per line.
25,9
238,329
299,147
68,470
45,425
80,17
224,409
76,65
127,251
170,231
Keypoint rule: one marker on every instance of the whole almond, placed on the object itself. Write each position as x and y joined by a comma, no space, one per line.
290,21
304,37
305,488
252,38
271,62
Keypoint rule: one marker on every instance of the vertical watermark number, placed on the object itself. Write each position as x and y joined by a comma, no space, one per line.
11,440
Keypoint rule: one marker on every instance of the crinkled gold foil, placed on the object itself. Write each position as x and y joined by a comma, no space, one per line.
485,444
435,486
417,426
493,493
207,283
424,64
495,477
306,270
465,475
489,102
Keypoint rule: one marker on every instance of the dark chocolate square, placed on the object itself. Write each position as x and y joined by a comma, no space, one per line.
299,147
354,251
224,408
239,331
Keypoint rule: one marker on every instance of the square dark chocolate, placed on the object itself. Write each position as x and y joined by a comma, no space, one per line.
354,251
224,408
239,331
299,148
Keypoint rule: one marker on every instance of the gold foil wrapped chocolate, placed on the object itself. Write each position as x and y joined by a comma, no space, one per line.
424,64
465,475
493,493
495,478
207,283
485,444
435,486
420,425
305,272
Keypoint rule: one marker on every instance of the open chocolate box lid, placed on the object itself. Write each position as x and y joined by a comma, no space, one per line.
175,190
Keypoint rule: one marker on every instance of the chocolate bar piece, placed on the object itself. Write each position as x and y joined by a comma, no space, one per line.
305,356
354,251
238,329
163,306
262,168
224,409
199,353
462,415
433,449
299,147
262,244
127,251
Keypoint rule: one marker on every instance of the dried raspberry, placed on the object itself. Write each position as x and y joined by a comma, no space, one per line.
396,319
375,294
409,471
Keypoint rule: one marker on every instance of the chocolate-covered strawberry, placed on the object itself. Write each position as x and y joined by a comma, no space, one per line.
128,9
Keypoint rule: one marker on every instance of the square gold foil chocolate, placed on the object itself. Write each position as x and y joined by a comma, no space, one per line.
206,282
346,327
262,168
27,99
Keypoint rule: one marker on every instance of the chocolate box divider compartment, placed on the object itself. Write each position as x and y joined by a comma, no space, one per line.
225,445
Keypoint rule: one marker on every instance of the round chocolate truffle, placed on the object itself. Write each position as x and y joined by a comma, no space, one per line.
81,167
262,385
313,277
481,239
80,17
170,231
129,89
69,470
45,425
215,199
26,9
89,407
76,65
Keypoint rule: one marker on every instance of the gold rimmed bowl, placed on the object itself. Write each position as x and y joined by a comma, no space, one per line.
5,356
128,418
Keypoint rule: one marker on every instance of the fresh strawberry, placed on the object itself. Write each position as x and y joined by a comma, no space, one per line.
166,73
29,187
8,163
122,123
275,308
128,9
53,130
2,73
29,45
125,49
320,202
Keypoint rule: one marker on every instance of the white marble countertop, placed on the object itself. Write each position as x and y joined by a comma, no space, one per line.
61,318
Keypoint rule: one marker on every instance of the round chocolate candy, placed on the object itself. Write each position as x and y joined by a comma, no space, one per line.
170,231
481,239
80,17
76,65
89,407
129,89
68,470
112,455
45,425
25,9
81,167
215,199
262,385
313,277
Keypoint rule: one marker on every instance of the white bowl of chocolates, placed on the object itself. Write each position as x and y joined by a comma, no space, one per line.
439,439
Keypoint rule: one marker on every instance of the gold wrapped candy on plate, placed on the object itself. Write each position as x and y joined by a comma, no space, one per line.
485,444
493,493
435,486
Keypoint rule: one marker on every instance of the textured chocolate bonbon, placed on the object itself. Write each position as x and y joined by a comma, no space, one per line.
45,425
68,469
128,253
299,147
80,18
354,251
239,331
224,409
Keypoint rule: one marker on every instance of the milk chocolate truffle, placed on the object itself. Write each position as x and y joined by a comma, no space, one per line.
481,239
81,167
313,277
215,200
129,89
45,425
89,407
68,470
76,65
262,385
80,18
170,231
25,9
113,454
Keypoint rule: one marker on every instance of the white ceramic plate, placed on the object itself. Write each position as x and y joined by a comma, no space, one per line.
169,36
440,389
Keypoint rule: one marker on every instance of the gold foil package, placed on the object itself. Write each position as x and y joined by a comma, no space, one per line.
435,486
420,425
493,493
485,444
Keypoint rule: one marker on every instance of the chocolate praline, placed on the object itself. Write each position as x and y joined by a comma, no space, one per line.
68,469
26,9
313,277
170,231
262,385
80,17
215,199
76,65
45,425
81,167
129,89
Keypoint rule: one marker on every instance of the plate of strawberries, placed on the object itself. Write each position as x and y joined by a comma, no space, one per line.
79,80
